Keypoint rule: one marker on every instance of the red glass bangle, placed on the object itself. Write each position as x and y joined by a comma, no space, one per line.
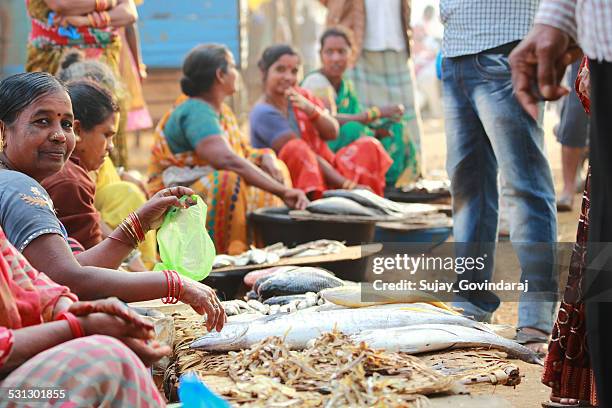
316,113
73,322
166,299
178,287
180,292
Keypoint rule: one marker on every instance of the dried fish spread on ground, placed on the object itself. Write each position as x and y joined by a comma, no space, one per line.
464,366
345,373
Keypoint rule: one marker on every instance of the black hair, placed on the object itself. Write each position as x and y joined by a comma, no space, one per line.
273,54
71,57
91,103
200,68
74,66
20,90
338,31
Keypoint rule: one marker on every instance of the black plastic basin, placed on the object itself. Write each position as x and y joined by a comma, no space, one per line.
272,225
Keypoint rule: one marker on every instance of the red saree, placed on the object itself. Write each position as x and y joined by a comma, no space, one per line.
364,161
567,369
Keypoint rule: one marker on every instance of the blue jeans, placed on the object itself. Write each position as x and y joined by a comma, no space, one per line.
488,131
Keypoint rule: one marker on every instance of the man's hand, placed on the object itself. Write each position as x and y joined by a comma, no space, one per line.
538,64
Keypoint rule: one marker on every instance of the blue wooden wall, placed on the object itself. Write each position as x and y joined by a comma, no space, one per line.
169,29
14,29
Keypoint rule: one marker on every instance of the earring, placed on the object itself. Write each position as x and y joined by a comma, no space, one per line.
77,138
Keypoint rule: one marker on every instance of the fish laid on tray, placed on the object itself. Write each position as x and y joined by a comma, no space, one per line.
274,305
301,327
252,277
353,295
430,337
368,199
275,252
295,282
340,206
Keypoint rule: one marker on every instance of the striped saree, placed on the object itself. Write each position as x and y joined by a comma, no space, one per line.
228,197
92,370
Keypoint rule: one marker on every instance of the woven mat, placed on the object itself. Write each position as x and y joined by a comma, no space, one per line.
473,366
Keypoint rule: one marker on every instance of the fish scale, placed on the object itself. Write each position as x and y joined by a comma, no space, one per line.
301,327
296,281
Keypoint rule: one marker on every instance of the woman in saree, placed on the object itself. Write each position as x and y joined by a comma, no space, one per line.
199,144
36,129
47,337
92,26
296,125
567,369
339,96
117,194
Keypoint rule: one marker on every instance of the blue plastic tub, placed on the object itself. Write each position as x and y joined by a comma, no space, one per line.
434,235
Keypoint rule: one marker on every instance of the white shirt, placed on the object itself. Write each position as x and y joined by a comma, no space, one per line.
587,21
383,28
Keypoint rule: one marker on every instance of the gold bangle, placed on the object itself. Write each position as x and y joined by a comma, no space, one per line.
107,18
376,111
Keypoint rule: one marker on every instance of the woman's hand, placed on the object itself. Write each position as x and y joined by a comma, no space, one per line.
295,198
113,326
151,214
391,111
112,307
204,301
75,21
149,352
300,102
268,164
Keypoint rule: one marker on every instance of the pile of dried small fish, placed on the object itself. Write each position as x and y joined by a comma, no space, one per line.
273,305
347,374
475,366
274,253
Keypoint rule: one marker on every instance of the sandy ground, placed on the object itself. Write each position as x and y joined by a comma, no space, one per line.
531,392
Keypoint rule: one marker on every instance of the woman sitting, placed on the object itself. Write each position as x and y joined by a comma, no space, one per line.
338,95
297,126
199,144
90,353
36,129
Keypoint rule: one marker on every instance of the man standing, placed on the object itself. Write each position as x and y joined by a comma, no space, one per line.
537,67
487,133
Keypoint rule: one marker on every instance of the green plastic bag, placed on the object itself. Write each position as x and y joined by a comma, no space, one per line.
184,243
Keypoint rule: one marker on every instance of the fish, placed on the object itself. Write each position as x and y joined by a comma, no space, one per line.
302,326
296,281
353,295
340,206
368,199
283,300
252,277
424,338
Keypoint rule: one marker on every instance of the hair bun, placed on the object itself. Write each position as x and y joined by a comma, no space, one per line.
71,57
189,87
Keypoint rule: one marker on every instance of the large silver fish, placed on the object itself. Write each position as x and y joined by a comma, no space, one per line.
303,326
435,337
295,282
368,199
341,206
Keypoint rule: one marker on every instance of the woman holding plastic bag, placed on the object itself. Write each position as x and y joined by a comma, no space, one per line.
36,130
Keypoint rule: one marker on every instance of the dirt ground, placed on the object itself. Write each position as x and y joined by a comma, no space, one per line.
531,392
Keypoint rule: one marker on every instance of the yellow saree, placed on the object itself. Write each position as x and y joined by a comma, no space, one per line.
228,197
